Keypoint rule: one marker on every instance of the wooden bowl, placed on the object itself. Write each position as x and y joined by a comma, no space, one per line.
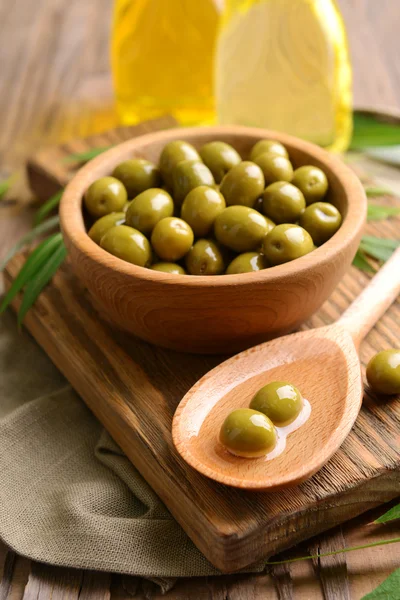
225,313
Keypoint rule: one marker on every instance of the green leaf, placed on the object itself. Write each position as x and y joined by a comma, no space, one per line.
28,238
5,186
390,515
377,212
370,130
388,590
382,242
379,248
360,261
377,252
36,285
85,156
31,267
47,207
378,191
335,552
389,155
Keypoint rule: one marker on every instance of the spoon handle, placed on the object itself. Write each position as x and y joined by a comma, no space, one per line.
374,301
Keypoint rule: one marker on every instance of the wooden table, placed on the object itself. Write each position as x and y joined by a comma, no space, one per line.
54,85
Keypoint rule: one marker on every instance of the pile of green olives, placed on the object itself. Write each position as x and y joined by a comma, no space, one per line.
251,432
209,212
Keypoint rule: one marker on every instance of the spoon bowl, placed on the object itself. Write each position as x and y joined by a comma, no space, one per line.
322,363
309,360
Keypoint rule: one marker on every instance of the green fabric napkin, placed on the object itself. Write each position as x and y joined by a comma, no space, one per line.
68,495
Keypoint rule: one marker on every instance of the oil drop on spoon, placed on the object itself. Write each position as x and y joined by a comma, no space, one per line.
283,432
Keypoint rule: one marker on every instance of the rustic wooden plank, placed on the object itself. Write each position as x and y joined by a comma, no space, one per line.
235,587
7,574
124,587
282,577
95,586
52,583
14,572
331,570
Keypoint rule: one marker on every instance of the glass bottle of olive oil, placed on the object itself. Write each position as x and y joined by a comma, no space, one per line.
162,59
284,65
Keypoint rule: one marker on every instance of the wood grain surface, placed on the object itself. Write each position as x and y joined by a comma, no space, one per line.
54,87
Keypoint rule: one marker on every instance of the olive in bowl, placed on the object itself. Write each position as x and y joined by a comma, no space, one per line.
321,220
241,228
187,175
219,158
274,167
172,238
148,208
285,243
173,153
105,195
283,202
312,181
271,146
201,207
243,184
137,175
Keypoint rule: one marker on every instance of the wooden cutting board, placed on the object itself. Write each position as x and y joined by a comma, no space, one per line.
133,389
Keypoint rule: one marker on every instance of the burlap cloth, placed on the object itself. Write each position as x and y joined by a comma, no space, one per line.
68,495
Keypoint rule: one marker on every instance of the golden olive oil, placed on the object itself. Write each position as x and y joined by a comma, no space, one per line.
284,65
162,59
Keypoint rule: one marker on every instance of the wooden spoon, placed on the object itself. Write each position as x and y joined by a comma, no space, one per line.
323,363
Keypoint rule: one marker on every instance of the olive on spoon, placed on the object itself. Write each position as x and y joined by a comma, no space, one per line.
323,363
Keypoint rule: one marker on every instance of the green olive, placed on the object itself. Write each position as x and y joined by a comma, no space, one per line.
383,372
286,242
187,175
321,220
205,258
172,238
219,158
148,208
200,209
128,244
248,433
172,154
168,267
105,223
279,401
246,263
104,196
283,202
312,182
241,229
268,146
274,167
137,175
243,184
